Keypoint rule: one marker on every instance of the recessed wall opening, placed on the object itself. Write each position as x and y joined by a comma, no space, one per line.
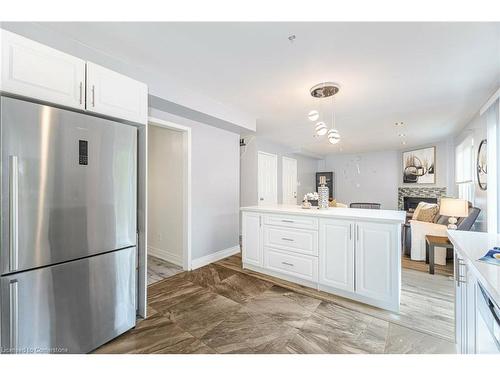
168,242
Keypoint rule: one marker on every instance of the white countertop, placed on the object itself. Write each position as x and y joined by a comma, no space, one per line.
472,246
333,212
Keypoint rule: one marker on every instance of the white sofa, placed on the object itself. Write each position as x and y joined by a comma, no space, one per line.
419,229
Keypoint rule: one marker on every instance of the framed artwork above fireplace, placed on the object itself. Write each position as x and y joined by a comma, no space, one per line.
419,166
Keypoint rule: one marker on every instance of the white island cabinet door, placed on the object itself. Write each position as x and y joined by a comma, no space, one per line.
336,254
36,71
252,251
113,94
377,258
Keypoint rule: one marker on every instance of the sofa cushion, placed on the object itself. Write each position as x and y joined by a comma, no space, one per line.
426,212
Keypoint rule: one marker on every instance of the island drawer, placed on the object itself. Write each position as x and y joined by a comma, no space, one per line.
297,240
303,222
297,265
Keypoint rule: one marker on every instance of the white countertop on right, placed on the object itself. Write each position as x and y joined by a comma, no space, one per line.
472,246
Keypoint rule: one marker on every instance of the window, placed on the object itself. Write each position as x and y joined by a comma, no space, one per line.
464,165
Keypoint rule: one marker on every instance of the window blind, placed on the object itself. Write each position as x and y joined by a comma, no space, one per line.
464,161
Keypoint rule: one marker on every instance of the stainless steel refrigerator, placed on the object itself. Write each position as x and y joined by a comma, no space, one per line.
68,229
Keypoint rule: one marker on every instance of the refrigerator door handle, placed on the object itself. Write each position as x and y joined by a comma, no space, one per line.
13,212
14,314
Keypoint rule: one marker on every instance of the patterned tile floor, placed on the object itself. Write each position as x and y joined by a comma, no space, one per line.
221,308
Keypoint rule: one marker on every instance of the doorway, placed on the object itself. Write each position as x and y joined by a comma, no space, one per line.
289,180
267,166
168,200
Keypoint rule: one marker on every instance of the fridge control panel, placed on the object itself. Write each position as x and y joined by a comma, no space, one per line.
83,148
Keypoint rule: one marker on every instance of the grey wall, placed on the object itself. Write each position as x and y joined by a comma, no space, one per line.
215,186
306,170
365,177
381,173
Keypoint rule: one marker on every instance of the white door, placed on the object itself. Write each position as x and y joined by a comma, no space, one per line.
252,239
267,178
336,254
376,257
36,71
289,181
116,95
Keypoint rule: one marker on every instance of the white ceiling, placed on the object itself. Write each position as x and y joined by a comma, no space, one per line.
432,76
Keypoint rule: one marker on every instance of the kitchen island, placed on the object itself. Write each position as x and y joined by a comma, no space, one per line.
353,253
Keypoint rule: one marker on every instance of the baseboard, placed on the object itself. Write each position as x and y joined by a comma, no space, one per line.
214,257
165,255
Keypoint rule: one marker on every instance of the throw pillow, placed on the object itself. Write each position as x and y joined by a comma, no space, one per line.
417,210
427,212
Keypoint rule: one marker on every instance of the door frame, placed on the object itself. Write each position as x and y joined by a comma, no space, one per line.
283,158
186,133
258,174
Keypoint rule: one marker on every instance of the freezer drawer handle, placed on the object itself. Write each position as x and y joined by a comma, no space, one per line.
13,212
14,314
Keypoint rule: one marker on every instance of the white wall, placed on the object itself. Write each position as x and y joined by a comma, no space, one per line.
306,170
165,193
215,170
477,128
365,177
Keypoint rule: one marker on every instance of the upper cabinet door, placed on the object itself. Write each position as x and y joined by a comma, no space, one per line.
336,254
116,95
377,256
34,70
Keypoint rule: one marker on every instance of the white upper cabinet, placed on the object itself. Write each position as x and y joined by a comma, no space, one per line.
376,261
36,71
116,95
336,254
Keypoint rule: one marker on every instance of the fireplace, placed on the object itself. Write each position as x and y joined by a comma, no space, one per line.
410,203
421,194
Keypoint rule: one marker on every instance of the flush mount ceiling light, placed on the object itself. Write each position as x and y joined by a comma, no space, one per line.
399,123
324,89
313,115
321,128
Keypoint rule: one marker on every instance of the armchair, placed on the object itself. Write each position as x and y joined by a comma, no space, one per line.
414,233
420,229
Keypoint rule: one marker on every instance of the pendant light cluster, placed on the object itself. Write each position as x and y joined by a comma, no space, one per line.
322,91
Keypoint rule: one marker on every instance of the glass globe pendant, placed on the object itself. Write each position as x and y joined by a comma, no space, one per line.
333,136
321,128
313,115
